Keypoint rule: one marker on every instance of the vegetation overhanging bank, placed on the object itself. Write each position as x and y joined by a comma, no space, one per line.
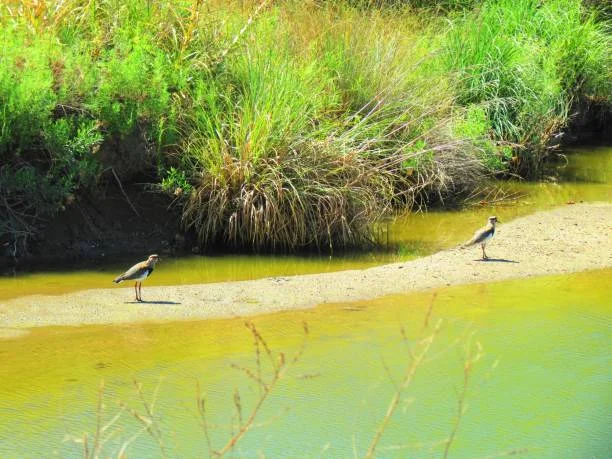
285,125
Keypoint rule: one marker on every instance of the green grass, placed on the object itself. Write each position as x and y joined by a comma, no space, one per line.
283,126
525,62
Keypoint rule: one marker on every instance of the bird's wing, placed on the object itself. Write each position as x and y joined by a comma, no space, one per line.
478,237
132,272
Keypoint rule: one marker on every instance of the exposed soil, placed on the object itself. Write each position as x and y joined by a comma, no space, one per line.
567,239
109,224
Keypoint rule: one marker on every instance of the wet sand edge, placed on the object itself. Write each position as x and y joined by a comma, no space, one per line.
563,240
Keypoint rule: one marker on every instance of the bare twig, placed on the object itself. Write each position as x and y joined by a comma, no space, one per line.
471,359
147,420
238,405
97,444
241,32
259,339
250,374
489,195
123,191
92,447
416,361
244,428
429,310
279,365
297,356
202,410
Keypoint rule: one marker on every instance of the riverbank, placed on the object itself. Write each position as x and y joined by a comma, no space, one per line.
567,239
300,125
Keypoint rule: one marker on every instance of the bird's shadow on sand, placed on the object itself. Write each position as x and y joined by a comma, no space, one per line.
496,260
151,302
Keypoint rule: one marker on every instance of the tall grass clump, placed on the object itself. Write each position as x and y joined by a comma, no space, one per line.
305,140
525,63
264,172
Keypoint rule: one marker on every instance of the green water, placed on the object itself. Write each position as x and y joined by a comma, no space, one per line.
542,386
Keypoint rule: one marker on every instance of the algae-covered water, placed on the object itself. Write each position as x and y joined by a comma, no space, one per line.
541,386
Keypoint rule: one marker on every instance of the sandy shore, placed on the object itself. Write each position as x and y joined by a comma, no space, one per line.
567,239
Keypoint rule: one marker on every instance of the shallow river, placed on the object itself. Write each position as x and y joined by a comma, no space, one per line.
588,177
541,386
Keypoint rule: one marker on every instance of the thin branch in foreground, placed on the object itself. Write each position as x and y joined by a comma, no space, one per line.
98,419
429,310
202,411
471,358
92,448
416,361
241,32
279,364
147,420
244,428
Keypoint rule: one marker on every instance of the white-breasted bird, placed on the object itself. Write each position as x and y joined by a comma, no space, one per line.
483,235
138,272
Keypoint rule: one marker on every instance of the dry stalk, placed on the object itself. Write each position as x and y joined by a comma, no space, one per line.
202,411
492,194
429,311
124,193
416,360
98,418
97,443
471,358
244,428
194,17
94,450
241,32
279,364
147,420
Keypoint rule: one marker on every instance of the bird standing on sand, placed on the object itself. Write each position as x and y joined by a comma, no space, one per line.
483,235
138,272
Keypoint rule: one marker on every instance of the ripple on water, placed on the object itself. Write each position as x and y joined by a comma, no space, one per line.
541,385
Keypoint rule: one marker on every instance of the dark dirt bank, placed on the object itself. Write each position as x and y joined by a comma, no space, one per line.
109,223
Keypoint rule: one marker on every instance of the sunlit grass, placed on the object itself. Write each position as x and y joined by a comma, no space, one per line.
526,63
284,126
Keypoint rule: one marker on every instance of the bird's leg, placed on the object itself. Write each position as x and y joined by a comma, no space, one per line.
484,255
136,290
140,291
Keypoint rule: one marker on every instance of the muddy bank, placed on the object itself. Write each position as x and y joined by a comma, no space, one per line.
567,239
114,223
